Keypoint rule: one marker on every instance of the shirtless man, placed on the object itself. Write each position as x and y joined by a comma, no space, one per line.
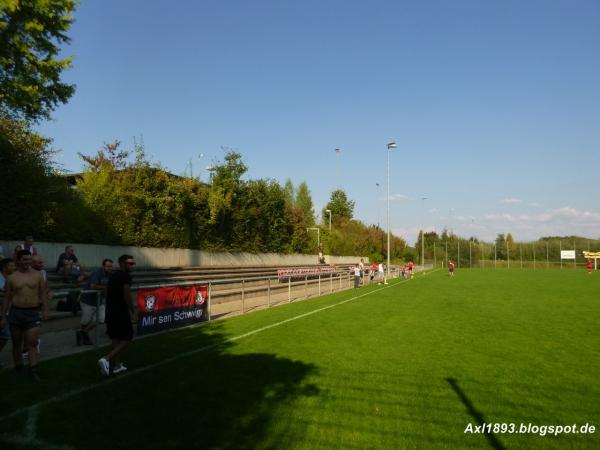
25,295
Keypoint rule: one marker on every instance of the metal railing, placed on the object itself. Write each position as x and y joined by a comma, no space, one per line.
271,291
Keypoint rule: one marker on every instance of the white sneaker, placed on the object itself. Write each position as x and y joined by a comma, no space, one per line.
25,355
120,369
104,366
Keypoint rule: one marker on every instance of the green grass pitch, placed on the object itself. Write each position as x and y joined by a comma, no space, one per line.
409,365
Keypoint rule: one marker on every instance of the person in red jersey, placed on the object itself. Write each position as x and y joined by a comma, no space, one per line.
451,268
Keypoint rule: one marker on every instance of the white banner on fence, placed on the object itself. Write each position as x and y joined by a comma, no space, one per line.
567,254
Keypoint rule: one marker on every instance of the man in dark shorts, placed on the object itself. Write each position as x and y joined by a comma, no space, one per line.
119,314
25,297
451,268
92,304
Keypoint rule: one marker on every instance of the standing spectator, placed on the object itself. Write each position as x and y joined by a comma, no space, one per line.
89,302
357,276
25,296
37,263
119,314
381,273
361,266
411,268
26,245
68,265
372,271
451,268
7,267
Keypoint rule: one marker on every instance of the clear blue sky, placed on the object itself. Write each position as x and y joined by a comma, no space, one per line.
494,105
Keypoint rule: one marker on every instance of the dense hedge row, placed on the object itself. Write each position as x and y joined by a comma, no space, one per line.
120,202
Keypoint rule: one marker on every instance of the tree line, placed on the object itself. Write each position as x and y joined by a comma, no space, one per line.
121,198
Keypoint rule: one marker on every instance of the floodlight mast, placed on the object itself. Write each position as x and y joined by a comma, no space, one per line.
391,145
422,234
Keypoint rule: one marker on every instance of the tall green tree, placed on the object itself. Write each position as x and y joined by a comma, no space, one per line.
501,246
289,192
225,185
512,247
304,202
339,204
32,191
31,33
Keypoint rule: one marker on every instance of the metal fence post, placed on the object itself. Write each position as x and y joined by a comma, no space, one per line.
482,257
340,282
306,286
97,318
319,285
289,289
521,250
209,306
269,292
331,283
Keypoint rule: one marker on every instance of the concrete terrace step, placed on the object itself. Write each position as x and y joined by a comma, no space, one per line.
228,288
150,276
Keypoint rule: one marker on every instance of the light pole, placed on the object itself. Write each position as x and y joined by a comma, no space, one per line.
422,234
390,146
211,170
378,203
329,212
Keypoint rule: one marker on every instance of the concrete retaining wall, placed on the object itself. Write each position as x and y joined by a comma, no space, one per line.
92,255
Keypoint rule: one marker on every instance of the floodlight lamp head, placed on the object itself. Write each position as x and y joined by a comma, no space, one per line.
391,145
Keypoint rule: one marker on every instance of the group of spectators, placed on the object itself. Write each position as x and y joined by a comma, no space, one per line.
375,270
101,294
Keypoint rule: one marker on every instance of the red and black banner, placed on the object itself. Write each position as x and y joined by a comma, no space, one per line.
171,307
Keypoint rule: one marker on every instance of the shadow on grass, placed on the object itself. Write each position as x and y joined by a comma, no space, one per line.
202,396
474,413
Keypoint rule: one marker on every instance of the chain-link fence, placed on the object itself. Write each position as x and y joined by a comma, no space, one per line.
543,254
